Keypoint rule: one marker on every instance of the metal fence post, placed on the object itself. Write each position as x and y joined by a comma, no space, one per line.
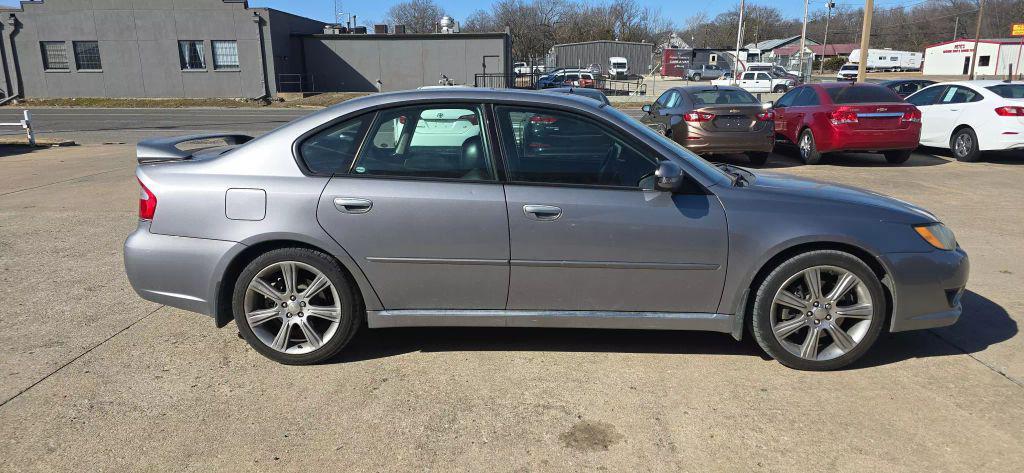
27,125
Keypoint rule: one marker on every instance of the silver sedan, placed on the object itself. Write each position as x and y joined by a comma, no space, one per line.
474,207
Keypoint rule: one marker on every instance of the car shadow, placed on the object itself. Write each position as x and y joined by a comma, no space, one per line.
983,323
1015,157
785,157
17,150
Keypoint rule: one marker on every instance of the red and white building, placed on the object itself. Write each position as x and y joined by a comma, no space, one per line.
994,59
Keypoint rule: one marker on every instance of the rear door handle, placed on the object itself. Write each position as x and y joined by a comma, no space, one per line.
542,212
353,205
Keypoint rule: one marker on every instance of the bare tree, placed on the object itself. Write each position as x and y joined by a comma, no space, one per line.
418,16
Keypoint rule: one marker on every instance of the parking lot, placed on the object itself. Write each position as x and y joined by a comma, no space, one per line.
95,378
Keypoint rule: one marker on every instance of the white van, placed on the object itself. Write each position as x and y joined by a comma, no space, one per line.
618,67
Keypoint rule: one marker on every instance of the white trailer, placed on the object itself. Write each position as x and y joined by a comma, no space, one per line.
889,60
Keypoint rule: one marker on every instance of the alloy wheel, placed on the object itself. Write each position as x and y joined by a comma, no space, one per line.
821,313
292,307
963,144
805,146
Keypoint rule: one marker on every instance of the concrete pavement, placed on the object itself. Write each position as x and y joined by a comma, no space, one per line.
95,378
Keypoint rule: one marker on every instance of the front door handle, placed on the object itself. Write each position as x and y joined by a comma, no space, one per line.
353,205
542,212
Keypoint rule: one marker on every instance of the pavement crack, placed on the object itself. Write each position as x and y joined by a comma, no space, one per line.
58,182
86,352
984,363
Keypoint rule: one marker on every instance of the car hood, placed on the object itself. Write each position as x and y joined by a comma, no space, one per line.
816,190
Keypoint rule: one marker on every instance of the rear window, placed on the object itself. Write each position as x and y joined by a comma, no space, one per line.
712,97
862,94
1008,91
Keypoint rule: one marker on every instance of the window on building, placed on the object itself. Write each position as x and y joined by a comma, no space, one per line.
983,60
225,55
55,55
87,56
191,55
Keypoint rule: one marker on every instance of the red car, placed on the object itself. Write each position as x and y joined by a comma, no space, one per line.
828,117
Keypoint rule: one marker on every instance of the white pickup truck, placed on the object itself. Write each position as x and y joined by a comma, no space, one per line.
758,81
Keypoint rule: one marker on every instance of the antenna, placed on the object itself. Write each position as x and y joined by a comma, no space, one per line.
338,15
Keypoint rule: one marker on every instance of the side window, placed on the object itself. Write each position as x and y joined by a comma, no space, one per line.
663,100
787,99
958,94
547,146
926,96
331,150
749,75
427,142
763,76
808,97
673,100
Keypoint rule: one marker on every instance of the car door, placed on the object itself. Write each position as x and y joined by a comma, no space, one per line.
662,110
748,81
926,101
948,112
421,211
590,235
788,114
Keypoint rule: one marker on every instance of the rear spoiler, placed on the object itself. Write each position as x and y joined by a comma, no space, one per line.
158,150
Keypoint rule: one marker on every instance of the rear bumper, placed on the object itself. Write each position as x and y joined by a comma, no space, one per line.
869,140
704,142
926,288
177,271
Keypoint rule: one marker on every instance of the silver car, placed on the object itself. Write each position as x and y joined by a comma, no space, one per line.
519,209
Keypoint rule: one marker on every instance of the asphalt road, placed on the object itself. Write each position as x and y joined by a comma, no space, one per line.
130,125
94,378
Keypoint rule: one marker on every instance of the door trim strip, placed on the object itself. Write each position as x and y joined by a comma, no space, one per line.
614,265
554,319
464,261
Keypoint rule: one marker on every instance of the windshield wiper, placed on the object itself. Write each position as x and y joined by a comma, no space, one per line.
737,172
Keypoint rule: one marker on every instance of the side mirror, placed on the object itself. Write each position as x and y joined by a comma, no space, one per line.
646,108
668,176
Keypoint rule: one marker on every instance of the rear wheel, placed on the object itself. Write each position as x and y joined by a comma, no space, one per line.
696,77
808,149
758,158
820,310
897,156
295,306
780,89
964,145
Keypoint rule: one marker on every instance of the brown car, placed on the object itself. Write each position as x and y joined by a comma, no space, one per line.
714,120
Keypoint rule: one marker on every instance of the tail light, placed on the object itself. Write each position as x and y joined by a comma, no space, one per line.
912,116
543,119
147,202
842,116
471,118
766,116
1010,111
697,117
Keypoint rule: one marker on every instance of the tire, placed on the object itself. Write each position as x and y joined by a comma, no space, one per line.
338,300
810,154
779,89
696,77
897,156
964,145
758,158
857,332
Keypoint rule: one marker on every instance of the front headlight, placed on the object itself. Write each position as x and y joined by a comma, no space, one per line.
937,235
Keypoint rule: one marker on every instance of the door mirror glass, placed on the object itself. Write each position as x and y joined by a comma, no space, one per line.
646,108
669,176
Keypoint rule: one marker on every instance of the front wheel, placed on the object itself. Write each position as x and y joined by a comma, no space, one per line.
296,306
780,89
820,310
897,156
964,145
695,77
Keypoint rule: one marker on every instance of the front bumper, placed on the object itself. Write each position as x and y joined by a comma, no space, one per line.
926,288
177,271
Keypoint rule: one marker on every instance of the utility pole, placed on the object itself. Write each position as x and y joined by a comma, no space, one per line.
956,26
824,47
803,45
865,40
977,37
739,43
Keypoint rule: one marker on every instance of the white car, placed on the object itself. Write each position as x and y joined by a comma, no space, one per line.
970,117
758,82
441,127
847,72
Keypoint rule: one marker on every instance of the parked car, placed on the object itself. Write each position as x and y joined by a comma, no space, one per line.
714,120
847,72
311,231
775,70
758,82
905,87
698,72
594,68
521,68
583,92
835,116
971,117
567,78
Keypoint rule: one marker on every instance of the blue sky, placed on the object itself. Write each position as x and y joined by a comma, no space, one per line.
676,10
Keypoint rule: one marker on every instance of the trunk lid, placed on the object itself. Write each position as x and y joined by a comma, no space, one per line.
731,118
878,116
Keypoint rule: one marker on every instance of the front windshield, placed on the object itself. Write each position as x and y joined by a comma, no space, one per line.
704,166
